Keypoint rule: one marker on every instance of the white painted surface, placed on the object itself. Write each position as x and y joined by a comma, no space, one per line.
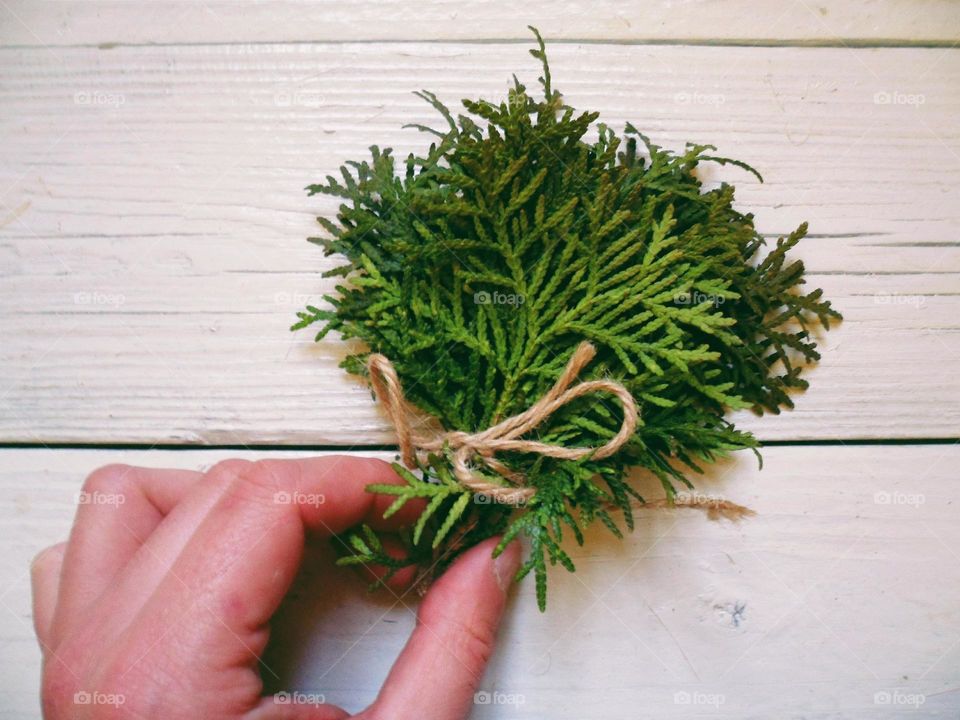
152,255
91,22
843,586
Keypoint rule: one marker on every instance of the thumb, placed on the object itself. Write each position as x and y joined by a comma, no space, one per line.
439,669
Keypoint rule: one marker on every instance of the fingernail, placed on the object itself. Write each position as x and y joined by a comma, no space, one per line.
505,566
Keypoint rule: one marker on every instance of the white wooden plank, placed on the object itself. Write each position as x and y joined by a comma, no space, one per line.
72,22
841,589
152,247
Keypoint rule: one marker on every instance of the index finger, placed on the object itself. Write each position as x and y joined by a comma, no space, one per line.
332,492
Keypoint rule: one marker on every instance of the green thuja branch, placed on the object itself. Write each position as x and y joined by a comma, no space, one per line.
525,228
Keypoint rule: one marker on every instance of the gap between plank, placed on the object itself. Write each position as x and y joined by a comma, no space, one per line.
267,447
848,43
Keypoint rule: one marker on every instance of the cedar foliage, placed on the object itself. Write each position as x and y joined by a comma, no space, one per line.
524,229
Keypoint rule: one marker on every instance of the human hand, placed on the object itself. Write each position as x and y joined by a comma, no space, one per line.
159,606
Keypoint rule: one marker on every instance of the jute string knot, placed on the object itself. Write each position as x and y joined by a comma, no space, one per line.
416,434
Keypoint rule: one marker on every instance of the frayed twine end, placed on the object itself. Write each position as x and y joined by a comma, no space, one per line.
715,508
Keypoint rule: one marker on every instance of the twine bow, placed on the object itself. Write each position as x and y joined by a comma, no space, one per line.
415,434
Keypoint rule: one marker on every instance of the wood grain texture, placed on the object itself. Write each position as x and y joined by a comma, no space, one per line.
152,225
91,22
152,254
840,593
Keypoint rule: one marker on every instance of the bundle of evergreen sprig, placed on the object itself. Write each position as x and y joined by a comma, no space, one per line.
525,229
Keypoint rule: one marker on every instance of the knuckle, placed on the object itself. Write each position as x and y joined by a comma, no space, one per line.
228,469
475,644
111,479
257,482
47,555
469,639
243,482
266,476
